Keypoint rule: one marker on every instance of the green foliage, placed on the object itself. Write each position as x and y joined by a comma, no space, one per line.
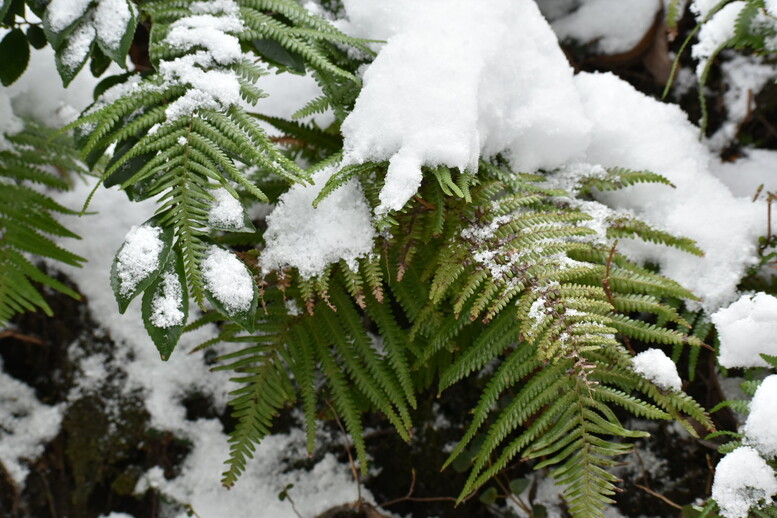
27,218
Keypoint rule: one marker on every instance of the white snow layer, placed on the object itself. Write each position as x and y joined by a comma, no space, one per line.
761,425
309,239
449,105
657,367
771,7
635,131
167,304
743,177
227,278
27,425
138,256
61,14
742,479
747,328
226,211
717,31
614,26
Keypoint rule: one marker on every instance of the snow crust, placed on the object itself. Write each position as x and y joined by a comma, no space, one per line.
167,304
614,26
449,105
747,328
138,257
27,425
656,366
226,211
742,479
309,239
761,425
227,278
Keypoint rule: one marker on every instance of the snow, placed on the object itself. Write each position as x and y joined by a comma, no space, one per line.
166,306
226,211
771,7
402,114
208,89
77,47
657,367
637,132
717,31
309,239
10,124
227,278
745,76
746,329
742,479
111,18
60,14
760,431
614,26
702,8
744,176
27,425
138,257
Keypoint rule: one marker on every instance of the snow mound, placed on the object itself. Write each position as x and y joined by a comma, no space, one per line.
760,425
656,366
449,105
747,328
742,479
309,239
635,131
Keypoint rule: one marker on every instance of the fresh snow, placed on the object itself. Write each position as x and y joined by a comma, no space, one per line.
404,115
635,131
742,479
167,304
657,367
771,7
227,278
111,18
613,26
61,14
138,256
309,239
755,168
761,425
746,329
717,31
226,211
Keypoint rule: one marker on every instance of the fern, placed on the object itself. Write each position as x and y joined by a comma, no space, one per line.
27,218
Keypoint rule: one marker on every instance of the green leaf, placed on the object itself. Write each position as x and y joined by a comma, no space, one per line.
14,56
165,337
38,6
275,54
519,485
124,297
108,82
67,68
9,9
771,360
99,63
36,36
246,318
489,496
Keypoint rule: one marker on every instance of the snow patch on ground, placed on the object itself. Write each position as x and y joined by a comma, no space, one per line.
26,425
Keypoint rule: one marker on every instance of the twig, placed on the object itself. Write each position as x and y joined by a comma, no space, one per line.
10,333
354,469
410,498
659,496
608,289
